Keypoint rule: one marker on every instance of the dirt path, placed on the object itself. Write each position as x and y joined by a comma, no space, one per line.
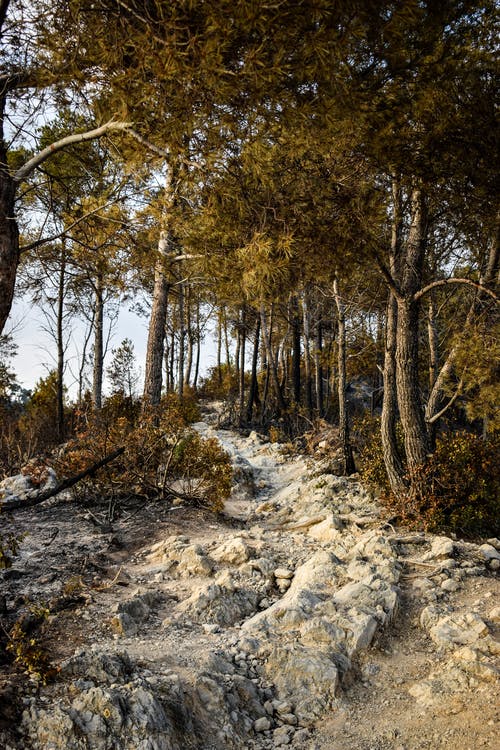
298,618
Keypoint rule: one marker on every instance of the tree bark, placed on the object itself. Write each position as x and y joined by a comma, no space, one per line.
182,341
347,456
98,345
318,370
242,334
307,353
198,347
156,331
253,396
407,340
271,362
60,347
190,342
9,233
392,457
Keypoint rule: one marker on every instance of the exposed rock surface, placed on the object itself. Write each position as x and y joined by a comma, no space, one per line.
273,627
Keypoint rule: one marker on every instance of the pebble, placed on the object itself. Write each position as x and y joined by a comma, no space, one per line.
450,585
262,724
283,573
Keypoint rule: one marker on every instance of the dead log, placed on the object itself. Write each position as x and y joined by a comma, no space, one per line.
35,497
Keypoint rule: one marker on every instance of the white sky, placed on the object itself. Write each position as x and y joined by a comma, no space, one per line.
36,349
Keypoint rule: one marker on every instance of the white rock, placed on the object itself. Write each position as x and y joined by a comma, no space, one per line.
233,552
488,552
458,629
494,615
441,548
327,530
283,573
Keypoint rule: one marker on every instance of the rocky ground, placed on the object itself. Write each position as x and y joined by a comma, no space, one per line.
299,618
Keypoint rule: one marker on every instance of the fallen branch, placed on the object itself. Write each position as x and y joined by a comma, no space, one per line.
35,496
287,526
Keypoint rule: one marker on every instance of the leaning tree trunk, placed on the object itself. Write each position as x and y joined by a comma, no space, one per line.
392,458
156,331
347,456
98,345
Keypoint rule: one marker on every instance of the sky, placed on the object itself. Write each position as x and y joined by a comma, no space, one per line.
36,349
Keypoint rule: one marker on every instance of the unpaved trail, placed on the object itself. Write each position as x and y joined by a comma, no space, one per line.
298,618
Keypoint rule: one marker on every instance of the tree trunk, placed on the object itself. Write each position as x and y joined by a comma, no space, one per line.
295,317
198,347
407,340
60,347
253,396
219,348
318,370
156,330
242,334
347,456
98,345
307,353
392,458
182,338
226,339
9,233
271,362
190,341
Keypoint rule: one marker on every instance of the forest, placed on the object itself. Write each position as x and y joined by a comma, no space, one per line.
313,183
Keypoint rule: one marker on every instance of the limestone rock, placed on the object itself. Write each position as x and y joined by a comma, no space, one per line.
304,676
21,484
488,552
233,552
441,548
180,558
327,530
458,629
220,601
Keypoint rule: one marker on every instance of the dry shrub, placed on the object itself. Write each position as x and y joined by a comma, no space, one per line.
460,488
163,457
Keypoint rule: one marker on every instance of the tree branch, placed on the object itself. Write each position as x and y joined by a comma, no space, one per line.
445,408
89,135
35,497
447,282
387,276
63,232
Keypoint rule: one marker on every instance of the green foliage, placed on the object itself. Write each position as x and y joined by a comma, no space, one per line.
460,487
122,371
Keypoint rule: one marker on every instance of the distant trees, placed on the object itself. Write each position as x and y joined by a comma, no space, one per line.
122,371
